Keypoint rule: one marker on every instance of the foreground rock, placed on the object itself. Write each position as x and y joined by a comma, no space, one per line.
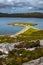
35,62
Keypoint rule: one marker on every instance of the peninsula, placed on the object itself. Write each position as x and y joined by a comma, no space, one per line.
26,27
28,33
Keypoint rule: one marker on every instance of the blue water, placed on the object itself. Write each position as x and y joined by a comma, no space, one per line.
8,29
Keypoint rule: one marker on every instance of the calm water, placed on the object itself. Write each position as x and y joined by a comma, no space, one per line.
8,29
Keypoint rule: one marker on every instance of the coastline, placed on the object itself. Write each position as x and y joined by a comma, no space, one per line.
22,31
26,27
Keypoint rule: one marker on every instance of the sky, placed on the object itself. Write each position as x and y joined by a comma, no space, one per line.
33,2
38,3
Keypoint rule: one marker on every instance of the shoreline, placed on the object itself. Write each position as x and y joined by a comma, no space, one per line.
26,27
22,31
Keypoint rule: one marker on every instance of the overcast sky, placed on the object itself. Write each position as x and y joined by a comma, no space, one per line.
33,2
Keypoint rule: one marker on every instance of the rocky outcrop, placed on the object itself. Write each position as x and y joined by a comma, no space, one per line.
35,62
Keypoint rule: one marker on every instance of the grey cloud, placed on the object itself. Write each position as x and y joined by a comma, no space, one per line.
20,3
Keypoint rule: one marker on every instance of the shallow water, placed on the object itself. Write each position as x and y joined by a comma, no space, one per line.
8,29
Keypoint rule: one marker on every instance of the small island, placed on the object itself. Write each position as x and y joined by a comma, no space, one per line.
22,24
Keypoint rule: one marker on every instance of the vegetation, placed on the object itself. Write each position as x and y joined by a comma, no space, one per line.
31,34
21,24
6,39
23,15
17,57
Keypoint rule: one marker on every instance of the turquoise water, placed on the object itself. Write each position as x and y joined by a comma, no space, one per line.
8,29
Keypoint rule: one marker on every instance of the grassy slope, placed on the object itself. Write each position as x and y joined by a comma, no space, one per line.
6,39
31,34
29,31
38,34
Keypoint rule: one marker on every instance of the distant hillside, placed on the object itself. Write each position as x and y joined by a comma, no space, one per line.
23,15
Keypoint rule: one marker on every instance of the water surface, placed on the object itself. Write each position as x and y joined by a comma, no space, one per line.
8,29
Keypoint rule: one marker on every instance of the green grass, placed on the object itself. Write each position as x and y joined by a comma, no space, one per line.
31,34
4,39
29,31
38,34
